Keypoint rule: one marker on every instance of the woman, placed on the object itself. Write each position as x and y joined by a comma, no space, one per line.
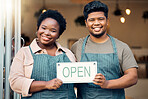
33,70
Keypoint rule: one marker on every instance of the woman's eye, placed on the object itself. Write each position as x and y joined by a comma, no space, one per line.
43,28
53,31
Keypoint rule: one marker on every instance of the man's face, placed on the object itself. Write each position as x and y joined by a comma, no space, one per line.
97,24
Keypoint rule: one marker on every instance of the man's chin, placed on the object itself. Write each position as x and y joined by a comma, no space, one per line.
97,35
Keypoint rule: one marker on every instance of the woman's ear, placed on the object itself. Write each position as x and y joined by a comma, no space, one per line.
36,33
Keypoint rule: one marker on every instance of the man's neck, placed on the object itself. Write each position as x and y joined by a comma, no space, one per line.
101,39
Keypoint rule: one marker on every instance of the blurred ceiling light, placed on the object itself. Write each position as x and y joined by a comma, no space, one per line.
122,19
128,11
44,10
41,10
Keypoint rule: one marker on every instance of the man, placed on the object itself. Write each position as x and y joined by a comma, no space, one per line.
116,66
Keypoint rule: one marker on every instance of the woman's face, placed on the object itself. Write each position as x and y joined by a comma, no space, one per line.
48,32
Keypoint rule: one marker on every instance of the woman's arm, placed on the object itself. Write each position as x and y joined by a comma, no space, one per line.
42,85
18,81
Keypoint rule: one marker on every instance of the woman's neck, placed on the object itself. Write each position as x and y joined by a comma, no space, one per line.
51,49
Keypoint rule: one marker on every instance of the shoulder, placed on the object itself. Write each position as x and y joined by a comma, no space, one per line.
120,43
77,44
69,54
22,50
67,50
122,46
24,54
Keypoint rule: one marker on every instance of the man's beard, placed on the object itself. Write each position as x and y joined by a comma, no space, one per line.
98,35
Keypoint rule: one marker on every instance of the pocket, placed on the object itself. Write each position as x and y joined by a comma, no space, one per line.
99,93
54,94
92,85
28,66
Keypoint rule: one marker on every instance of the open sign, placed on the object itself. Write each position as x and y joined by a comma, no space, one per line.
77,72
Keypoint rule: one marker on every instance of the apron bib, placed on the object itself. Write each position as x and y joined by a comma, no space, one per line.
44,69
108,65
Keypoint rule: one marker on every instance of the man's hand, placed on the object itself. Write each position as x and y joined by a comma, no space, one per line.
100,80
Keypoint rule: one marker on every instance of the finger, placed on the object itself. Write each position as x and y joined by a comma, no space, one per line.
98,81
98,77
58,86
55,86
59,80
99,74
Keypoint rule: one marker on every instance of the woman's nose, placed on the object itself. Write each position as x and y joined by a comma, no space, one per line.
47,32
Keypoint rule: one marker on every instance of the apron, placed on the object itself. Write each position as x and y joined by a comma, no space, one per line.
108,65
44,69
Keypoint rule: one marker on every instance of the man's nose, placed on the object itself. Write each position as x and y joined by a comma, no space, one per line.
96,22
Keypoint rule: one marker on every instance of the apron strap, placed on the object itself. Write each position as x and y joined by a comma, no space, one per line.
113,43
31,51
83,46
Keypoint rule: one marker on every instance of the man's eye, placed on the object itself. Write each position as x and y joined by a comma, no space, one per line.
101,18
91,20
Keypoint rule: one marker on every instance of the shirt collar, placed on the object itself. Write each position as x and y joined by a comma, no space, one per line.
60,47
35,48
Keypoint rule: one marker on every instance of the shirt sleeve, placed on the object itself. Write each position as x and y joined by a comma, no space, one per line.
18,82
128,59
76,49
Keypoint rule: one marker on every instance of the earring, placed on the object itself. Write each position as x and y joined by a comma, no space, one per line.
36,34
57,40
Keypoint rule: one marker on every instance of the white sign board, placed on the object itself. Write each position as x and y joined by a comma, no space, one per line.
77,72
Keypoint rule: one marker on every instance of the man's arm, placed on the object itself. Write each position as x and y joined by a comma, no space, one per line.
128,79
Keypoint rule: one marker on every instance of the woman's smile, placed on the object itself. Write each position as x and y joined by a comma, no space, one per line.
45,38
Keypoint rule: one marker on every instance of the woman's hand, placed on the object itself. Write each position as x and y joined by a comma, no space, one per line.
54,83
42,85
100,80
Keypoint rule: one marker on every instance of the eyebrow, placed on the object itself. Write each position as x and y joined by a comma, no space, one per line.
51,28
44,25
54,28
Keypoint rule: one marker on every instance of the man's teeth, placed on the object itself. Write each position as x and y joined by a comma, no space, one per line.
97,29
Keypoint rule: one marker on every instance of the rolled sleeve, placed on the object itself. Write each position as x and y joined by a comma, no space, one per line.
26,87
19,82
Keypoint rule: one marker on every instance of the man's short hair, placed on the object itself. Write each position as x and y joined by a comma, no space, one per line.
95,6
